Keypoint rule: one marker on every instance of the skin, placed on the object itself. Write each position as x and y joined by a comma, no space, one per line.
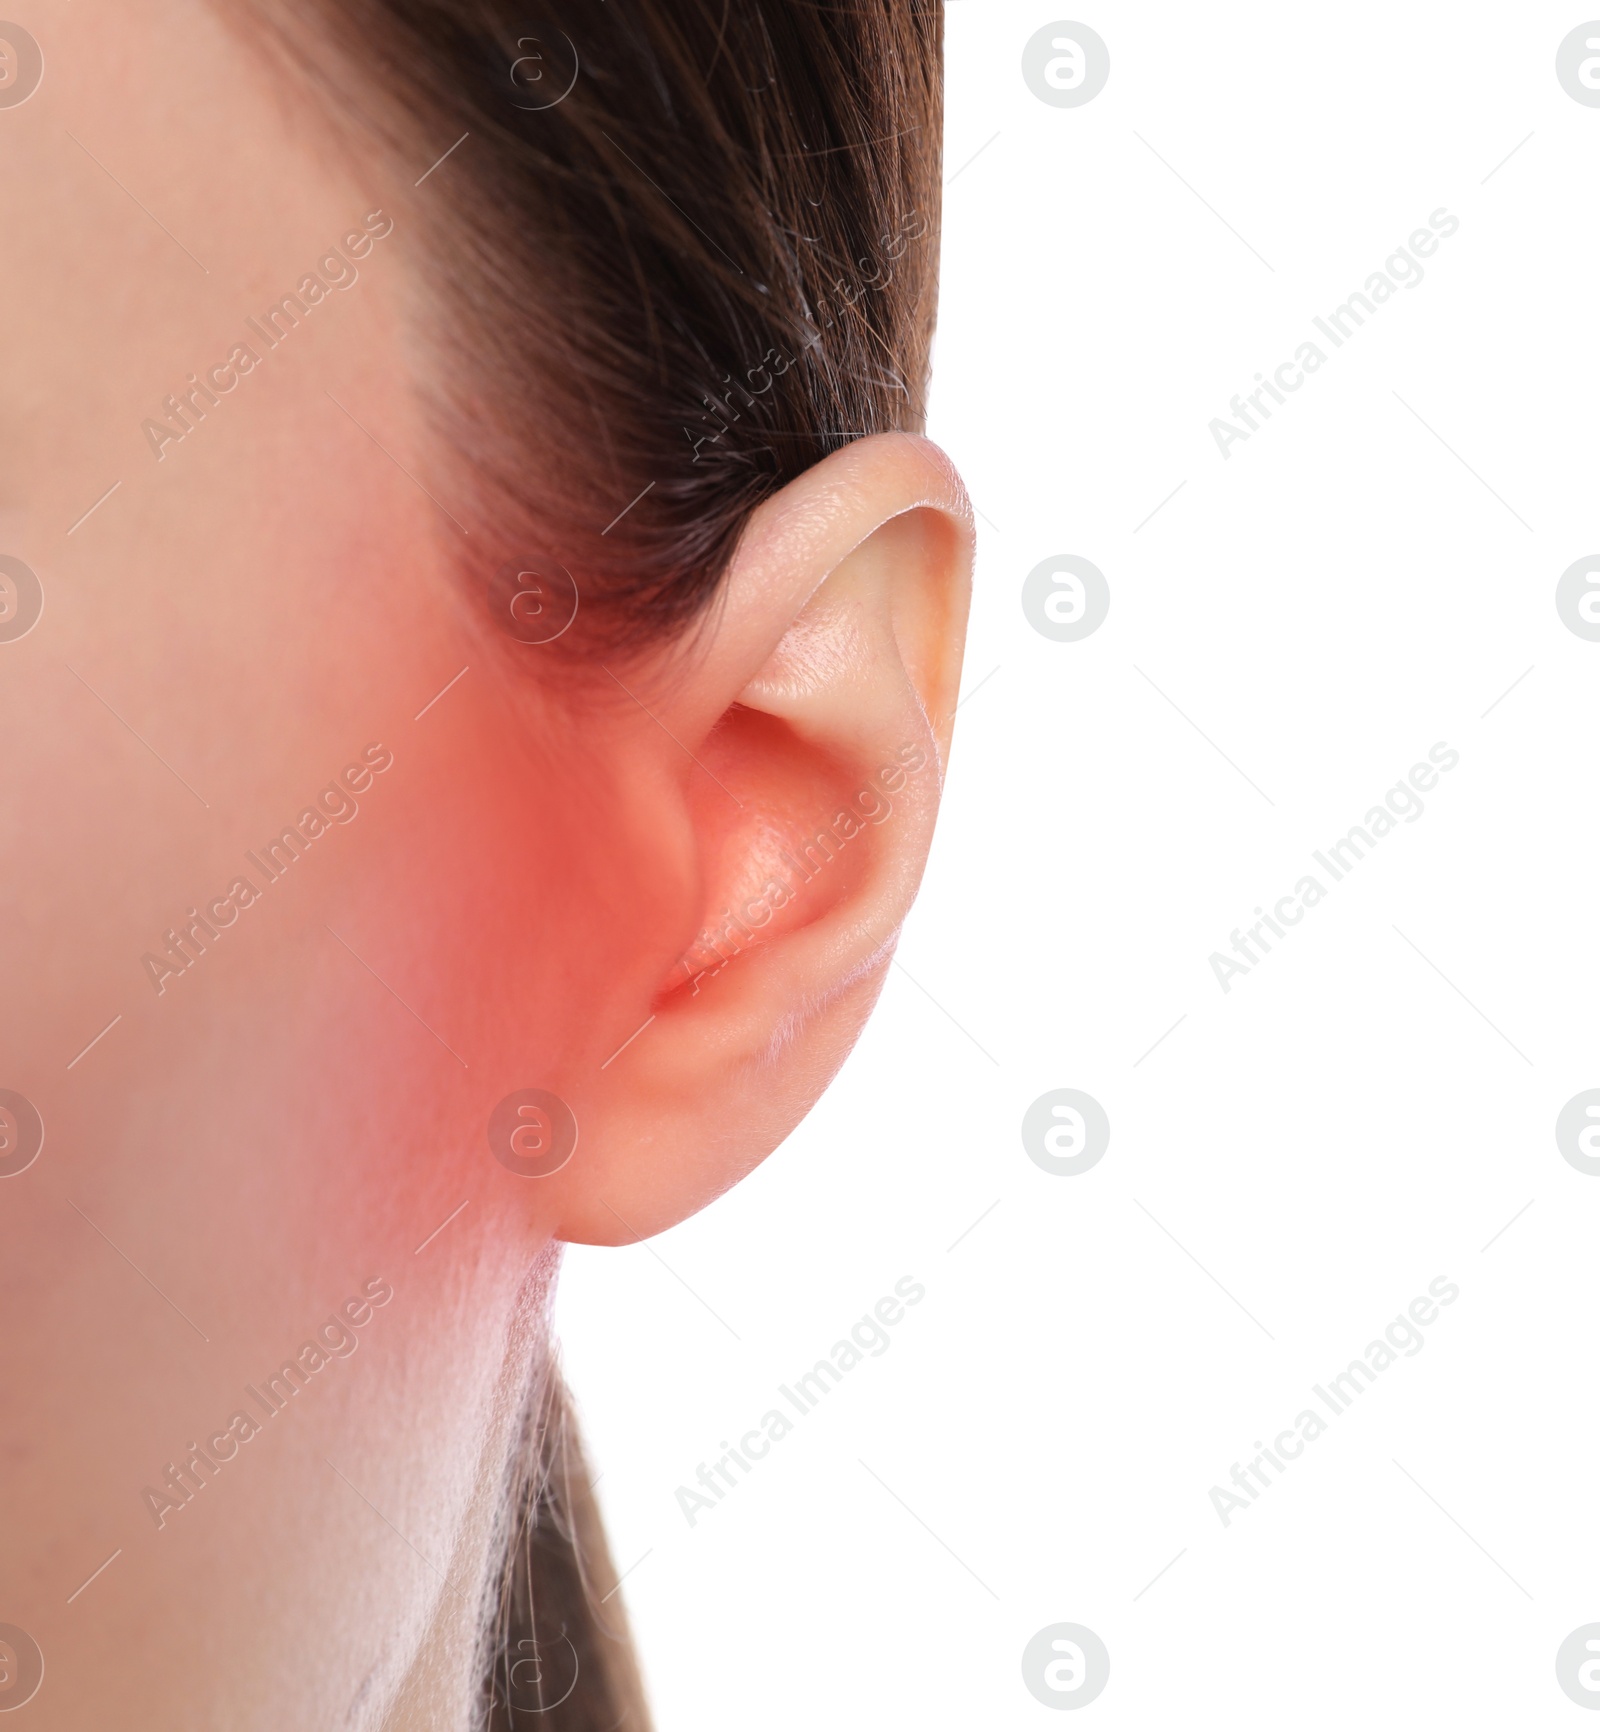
292,1116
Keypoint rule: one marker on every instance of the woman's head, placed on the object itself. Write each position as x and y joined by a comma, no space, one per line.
498,645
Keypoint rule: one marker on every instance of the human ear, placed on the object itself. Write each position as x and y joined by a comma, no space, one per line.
794,752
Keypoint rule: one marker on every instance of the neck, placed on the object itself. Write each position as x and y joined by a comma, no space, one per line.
442,1688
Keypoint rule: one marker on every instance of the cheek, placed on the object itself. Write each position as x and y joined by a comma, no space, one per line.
224,629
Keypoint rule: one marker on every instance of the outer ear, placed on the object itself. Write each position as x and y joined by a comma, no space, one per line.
804,746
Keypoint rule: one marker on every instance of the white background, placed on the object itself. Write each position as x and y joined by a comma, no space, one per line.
1299,1157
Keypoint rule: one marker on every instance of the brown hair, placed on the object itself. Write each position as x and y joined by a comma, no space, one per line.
662,295
679,252
558,1655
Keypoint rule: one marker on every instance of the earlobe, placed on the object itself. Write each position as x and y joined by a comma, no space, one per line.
814,720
